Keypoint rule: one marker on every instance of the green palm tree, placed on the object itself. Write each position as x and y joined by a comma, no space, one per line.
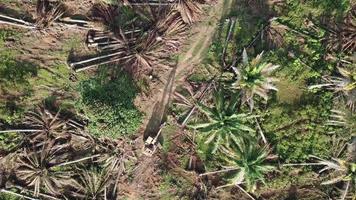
246,165
223,124
250,162
254,78
339,170
346,85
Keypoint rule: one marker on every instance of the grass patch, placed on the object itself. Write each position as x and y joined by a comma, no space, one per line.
108,103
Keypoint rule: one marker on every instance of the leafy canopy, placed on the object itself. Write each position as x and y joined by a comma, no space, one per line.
254,78
249,161
223,123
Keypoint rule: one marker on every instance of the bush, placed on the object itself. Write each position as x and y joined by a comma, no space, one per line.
109,105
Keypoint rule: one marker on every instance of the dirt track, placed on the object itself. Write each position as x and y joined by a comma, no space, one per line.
200,42
161,100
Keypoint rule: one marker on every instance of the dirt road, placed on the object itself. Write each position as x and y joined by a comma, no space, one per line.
198,45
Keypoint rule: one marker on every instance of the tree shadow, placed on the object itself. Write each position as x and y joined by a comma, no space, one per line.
15,14
14,84
160,108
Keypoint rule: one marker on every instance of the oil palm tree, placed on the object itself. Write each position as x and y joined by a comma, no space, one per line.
224,125
48,12
41,124
139,53
37,170
254,78
246,165
251,162
339,170
114,153
93,184
344,85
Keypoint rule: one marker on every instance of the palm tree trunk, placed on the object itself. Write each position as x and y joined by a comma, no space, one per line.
20,23
95,58
40,194
232,22
76,161
100,63
302,164
220,171
21,130
344,194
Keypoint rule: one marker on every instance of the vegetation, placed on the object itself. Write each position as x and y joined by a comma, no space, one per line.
268,112
109,105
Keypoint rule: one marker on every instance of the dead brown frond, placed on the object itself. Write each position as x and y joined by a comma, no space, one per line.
48,12
36,170
173,30
93,184
273,34
105,13
342,36
190,10
48,125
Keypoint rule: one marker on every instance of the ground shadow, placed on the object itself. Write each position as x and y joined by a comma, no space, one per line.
13,13
160,108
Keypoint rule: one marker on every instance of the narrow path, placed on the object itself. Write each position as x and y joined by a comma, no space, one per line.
199,45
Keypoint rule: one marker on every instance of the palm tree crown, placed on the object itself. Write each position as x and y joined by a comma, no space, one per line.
346,84
254,78
224,124
249,161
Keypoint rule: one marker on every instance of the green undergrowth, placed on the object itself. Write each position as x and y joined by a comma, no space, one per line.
106,100
108,104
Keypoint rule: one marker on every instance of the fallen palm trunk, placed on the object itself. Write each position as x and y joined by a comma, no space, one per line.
81,23
95,65
16,22
72,65
100,63
21,130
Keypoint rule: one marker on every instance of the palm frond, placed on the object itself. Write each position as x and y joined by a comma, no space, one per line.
48,12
